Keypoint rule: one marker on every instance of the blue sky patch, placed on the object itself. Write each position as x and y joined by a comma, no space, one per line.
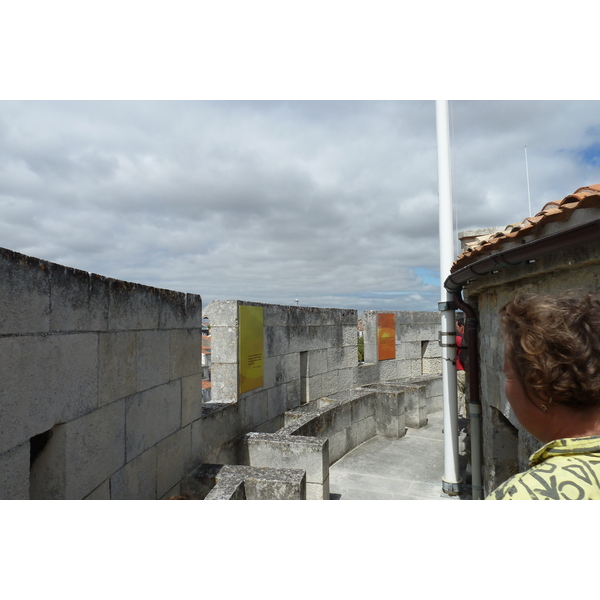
590,155
429,276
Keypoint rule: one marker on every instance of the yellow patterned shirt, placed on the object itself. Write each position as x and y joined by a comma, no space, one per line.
565,469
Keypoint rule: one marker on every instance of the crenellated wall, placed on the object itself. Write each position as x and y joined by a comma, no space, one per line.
311,353
100,383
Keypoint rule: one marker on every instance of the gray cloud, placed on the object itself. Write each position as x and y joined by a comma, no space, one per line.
331,202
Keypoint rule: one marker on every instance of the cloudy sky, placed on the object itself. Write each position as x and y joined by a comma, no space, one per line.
330,202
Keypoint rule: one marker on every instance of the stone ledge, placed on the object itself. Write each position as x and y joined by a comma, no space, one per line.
241,482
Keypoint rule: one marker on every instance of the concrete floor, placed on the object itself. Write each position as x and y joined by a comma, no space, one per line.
410,468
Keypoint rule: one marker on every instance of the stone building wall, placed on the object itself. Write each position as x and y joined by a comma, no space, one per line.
506,445
100,384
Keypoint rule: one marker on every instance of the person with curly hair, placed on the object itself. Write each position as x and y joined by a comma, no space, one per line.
552,369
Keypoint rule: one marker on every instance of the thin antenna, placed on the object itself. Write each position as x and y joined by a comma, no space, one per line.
527,171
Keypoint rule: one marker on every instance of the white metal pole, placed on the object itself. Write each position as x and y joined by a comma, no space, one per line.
451,479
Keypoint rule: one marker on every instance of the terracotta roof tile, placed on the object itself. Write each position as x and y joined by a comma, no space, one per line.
557,210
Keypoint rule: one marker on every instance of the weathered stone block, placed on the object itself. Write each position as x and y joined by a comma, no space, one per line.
137,479
173,310
362,431
224,344
346,378
256,409
214,430
330,383
318,491
223,313
80,455
79,300
102,492
336,358
387,423
338,445
224,380
45,380
133,306
388,369
277,401
151,416
367,374
416,406
412,350
14,473
363,407
173,459
317,362
276,484
191,399
287,368
315,387
293,394
185,353
24,293
270,365
116,366
350,335
290,452
152,359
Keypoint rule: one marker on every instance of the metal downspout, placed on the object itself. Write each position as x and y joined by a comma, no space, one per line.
472,323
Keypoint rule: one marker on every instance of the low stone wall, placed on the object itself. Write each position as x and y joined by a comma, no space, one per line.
100,384
311,353
239,482
318,434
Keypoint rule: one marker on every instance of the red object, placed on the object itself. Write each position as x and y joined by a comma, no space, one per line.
459,365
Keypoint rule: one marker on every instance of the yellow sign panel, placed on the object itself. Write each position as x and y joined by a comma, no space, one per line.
251,348
386,336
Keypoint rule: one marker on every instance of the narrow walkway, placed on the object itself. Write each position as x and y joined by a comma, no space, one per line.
410,468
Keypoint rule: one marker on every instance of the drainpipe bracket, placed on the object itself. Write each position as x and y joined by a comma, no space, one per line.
442,306
451,488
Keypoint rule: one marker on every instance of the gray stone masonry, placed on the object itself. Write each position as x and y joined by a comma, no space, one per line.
101,386
239,482
101,376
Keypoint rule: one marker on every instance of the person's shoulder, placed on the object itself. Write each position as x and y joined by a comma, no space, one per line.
512,489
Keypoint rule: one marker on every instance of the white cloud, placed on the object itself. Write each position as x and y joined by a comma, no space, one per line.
333,202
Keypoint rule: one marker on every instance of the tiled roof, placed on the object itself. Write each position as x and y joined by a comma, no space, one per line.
558,210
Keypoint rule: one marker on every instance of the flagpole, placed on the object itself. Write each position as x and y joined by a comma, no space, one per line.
451,480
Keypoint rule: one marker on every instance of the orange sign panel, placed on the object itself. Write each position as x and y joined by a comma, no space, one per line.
386,336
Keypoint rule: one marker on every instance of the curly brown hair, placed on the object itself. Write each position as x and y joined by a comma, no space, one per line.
553,344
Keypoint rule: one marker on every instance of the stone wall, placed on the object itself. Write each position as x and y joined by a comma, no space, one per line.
312,353
506,445
308,353
417,349
100,384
